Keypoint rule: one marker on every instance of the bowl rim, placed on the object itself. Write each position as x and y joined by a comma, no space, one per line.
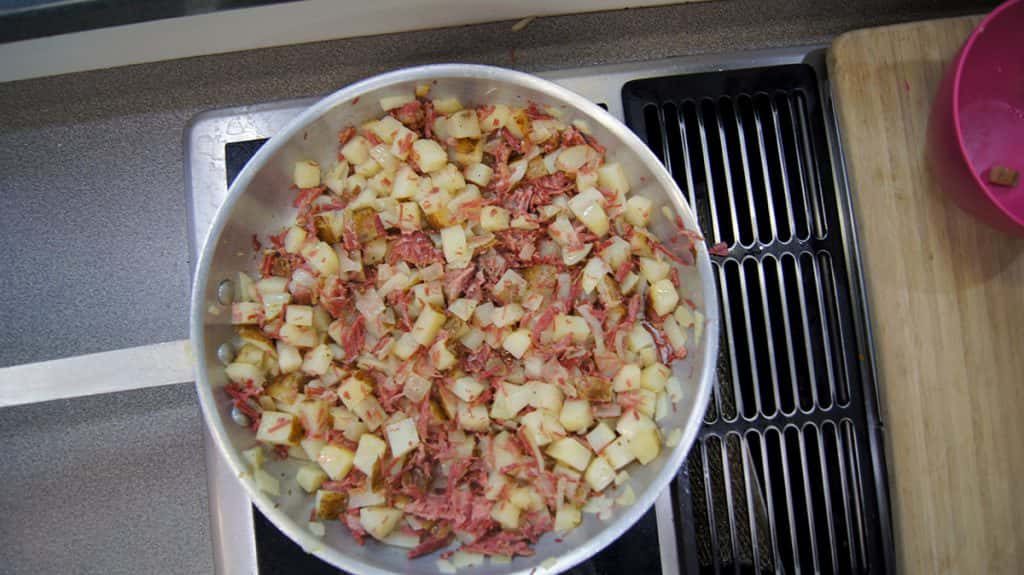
625,517
972,39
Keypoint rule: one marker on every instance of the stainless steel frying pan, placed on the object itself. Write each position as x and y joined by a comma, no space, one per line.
259,202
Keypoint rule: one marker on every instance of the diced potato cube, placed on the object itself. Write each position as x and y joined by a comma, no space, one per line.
599,474
318,360
508,315
479,174
405,346
595,270
299,315
509,400
371,449
654,270
416,387
632,422
517,342
542,427
638,211
448,178
570,326
441,357
587,208
627,378
312,447
285,389
409,216
618,453
567,518
664,297
571,452
371,412
495,118
654,377
453,244
387,128
576,415
298,336
388,103
279,428
313,415
354,389
321,257
306,174
336,461
294,239
255,457
467,389
506,514
473,417
571,159
464,124
645,446
600,436
643,400
267,482
366,496
494,219
310,478
379,521
428,155
612,177
463,308
329,504
245,312
239,372
402,436
427,325
546,396
448,105
357,150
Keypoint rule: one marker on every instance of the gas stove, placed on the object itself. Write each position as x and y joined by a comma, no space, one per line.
788,473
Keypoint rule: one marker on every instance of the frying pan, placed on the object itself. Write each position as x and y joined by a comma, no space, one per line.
259,202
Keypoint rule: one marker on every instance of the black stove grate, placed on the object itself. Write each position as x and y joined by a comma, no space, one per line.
788,473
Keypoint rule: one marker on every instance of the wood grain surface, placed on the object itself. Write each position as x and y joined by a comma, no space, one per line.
947,306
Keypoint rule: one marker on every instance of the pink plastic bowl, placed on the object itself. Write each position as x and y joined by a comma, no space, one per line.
977,121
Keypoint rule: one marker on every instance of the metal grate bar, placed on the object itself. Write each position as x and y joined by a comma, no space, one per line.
812,191
728,321
751,347
740,142
709,183
770,332
826,330
783,234
729,503
749,482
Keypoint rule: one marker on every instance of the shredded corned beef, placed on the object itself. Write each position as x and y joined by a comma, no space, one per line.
415,248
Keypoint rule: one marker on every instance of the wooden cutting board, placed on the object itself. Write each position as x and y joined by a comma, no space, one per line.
947,304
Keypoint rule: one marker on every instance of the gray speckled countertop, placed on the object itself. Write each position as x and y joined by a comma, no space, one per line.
93,219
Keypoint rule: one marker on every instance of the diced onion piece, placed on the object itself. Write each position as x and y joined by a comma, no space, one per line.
595,270
379,521
312,446
336,461
255,457
267,483
306,174
301,315
464,124
612,177
571,452
599,474
463,308
509,400
368,454
587,208
445,566
574,254
638,211
294,239
365,497
664,296
508,315
627,497
573,158
517,343
402,436
310,478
